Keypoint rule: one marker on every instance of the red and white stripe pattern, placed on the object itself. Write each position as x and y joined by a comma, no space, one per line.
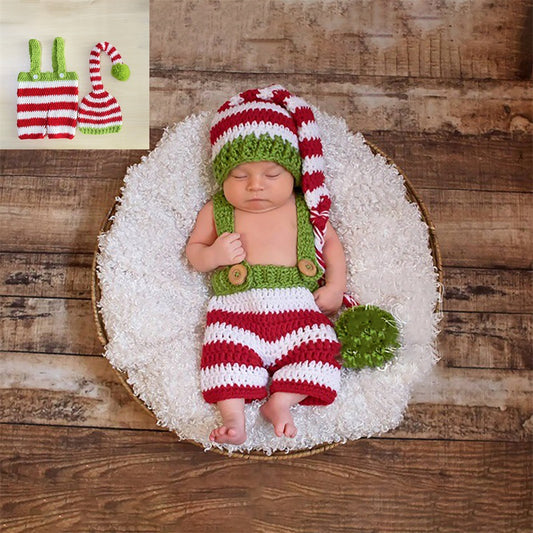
239,117
99,110
253,334
47,108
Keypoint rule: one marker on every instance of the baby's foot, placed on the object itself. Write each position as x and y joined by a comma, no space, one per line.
277,411
230,434
233,428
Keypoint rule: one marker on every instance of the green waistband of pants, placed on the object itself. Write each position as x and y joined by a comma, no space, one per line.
262,277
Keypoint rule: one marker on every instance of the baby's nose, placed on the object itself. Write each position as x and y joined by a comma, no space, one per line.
255,183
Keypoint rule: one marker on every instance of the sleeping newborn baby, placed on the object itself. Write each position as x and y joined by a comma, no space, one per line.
278,267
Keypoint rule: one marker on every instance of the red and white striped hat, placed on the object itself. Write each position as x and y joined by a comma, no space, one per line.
99,111
271,124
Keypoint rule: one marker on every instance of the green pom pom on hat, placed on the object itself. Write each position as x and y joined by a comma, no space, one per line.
120,71
369,336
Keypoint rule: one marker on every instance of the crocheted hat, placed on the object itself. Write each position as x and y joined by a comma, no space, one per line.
271,124
99,111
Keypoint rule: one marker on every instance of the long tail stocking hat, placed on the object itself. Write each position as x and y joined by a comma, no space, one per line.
99,111
273,124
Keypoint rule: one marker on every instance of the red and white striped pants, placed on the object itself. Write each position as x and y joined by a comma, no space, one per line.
261,332
47,107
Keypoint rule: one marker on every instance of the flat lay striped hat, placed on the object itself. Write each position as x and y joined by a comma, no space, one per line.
99,111
271,124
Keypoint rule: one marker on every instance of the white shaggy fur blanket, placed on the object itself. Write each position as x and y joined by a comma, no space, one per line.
154,304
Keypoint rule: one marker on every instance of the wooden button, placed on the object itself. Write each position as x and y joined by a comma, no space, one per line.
307,267
237,274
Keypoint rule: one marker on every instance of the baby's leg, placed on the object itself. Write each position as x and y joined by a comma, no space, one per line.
232,430
277,410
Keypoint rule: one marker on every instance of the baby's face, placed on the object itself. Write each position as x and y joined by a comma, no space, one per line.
258,186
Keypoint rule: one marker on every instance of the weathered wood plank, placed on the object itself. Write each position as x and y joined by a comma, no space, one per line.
486,290
46,275
54,214
434,161
453,486
69,276
367,103
486,340
441,161
57,325
493,230
447,161
487,318
479,39
48,325
71,163
67,390
85,391
474,229
457,422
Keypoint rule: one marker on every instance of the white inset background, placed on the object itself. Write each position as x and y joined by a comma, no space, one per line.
82,24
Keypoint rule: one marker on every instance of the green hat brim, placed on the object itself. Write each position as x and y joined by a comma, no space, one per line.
252,148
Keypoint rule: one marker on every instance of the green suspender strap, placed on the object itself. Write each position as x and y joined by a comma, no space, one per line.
35,58
58,63
243,276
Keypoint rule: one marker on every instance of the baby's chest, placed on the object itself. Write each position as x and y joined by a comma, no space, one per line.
268,238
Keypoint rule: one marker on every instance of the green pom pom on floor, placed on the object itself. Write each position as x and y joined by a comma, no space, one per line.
121,71
369,336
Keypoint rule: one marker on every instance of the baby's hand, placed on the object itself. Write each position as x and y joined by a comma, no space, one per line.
329,299
228,249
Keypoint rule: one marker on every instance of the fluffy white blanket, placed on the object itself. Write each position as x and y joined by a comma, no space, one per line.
153,303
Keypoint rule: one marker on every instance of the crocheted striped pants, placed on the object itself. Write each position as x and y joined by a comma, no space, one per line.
261,332
47,107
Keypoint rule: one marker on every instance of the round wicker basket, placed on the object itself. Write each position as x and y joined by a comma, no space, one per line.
102,334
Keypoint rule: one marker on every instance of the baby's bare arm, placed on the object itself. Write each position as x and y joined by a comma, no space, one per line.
335,260
205,251
329,296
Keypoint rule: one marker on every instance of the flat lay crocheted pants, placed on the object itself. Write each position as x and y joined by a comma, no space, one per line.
47,108
261,332
47,102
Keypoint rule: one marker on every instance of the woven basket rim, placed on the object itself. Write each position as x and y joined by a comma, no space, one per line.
256,455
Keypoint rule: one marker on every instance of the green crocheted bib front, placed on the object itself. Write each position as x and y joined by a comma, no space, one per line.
267,276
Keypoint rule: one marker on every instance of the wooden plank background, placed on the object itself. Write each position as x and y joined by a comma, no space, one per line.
444,88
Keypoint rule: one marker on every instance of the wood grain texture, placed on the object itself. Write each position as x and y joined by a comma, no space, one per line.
66,390
49,275
483,289
66,326
465,107
433,161
486,340
482,229
49,325
489,162
439,40
491,404
68,275
78,163
45,308
54,214
146,481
